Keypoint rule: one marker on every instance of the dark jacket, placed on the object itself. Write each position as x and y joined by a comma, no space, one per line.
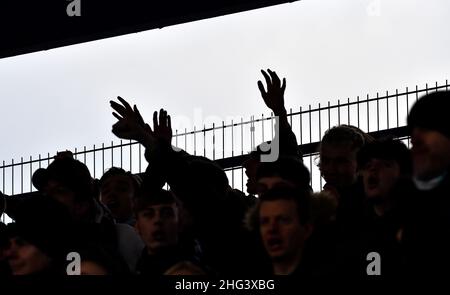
426,233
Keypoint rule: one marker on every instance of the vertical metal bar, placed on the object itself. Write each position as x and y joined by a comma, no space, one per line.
131,158
320,124
329,116
76,155
446,84
232,177
378,112
214,141
48,158
39,161
31,173
232,152
12,179
223,139
242,137
84,154
262,127
253,132
103,158
426,88
242,178
271,123
387,108
21,175
301,131
232,139
112,154
195,142
357,108
368,122
310,140
94,158
140,157
407,101
121,153
204,141
348,110
176,138
290,116
320,179
396,104
417,92
310,127
339,112
407,106
185,139
3,184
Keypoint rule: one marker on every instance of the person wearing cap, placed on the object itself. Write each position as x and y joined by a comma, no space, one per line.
427,227
69,182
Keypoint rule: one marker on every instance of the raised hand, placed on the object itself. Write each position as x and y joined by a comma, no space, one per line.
274,96
130,124
163,128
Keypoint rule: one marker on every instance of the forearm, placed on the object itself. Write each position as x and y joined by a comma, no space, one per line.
287,139
166,165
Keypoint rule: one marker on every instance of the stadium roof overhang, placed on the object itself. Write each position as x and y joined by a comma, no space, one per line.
30,26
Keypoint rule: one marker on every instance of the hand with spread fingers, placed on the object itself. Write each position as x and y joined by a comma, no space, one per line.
274,96
130,124
162,129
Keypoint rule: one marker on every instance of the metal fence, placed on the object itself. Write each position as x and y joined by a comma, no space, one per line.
229,143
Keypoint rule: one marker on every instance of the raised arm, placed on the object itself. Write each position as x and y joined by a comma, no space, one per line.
274,96
274,99
130,124
166,163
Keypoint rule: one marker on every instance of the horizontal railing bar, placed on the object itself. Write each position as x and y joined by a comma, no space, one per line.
328,107
318,109
309,149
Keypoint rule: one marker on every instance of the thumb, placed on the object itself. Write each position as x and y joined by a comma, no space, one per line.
148,128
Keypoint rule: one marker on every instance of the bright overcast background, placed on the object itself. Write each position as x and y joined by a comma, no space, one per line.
328,49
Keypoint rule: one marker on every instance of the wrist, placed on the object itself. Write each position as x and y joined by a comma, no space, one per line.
146,140
2,204
280,112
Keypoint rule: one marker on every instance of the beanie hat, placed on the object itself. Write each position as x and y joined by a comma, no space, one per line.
431,112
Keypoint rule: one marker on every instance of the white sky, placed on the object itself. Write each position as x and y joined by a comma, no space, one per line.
329,49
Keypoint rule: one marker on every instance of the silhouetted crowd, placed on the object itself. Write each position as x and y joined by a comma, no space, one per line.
384,210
